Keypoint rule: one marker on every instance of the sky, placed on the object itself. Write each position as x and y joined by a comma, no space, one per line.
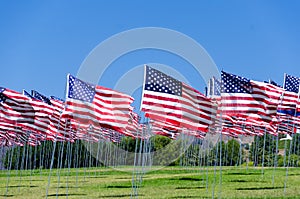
42,41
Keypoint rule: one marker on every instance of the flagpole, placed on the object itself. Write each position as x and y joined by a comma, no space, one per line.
221,135
55,139
291,142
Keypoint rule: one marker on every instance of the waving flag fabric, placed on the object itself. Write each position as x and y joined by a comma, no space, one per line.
289,109
27,94
19,113
292,83
15,107
247,98
88,103
167,99
216,86
40,97
44,112
288,104
61,127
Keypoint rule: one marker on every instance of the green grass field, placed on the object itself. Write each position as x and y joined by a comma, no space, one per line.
169,182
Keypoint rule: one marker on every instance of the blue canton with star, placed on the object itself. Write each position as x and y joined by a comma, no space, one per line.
2,96
217,86
40,97
159,82
56,98
235,84
291,83
27,94
81,90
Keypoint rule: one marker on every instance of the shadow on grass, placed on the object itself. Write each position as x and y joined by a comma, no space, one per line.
123,178
189,187
65,187
33,180
294,174
239,180
241,173
187,178
98,177
257,188
188,197
64,194
6,196
119,186
119,196
69,181
17,186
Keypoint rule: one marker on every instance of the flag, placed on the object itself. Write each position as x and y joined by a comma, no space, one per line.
216,86
88,103
27,94
291,83
164,129
289,108
289,99
247,98
15,107
56,98
210,88
40,97
57,128
18,113
132,129
274,83
44,111
167,99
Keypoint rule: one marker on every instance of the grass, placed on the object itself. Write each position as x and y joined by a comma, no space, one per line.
169,182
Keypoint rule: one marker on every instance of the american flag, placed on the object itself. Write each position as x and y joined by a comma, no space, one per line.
167,99
216,86
164,129
56,98
43,112
249,99
288,104
274,83
60,126
15,107
20,111
88,103
210,88
291,83
133,128
40,97
27,94
289,108
57,128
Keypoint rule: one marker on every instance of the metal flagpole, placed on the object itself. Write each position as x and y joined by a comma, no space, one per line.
263,157
60,159
52,158
9,169
276,152
215,167
22,167
276,158
291,142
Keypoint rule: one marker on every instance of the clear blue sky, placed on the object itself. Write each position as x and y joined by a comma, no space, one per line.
42,41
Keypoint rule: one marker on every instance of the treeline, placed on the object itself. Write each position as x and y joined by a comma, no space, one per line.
270,151
49,154
265,150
